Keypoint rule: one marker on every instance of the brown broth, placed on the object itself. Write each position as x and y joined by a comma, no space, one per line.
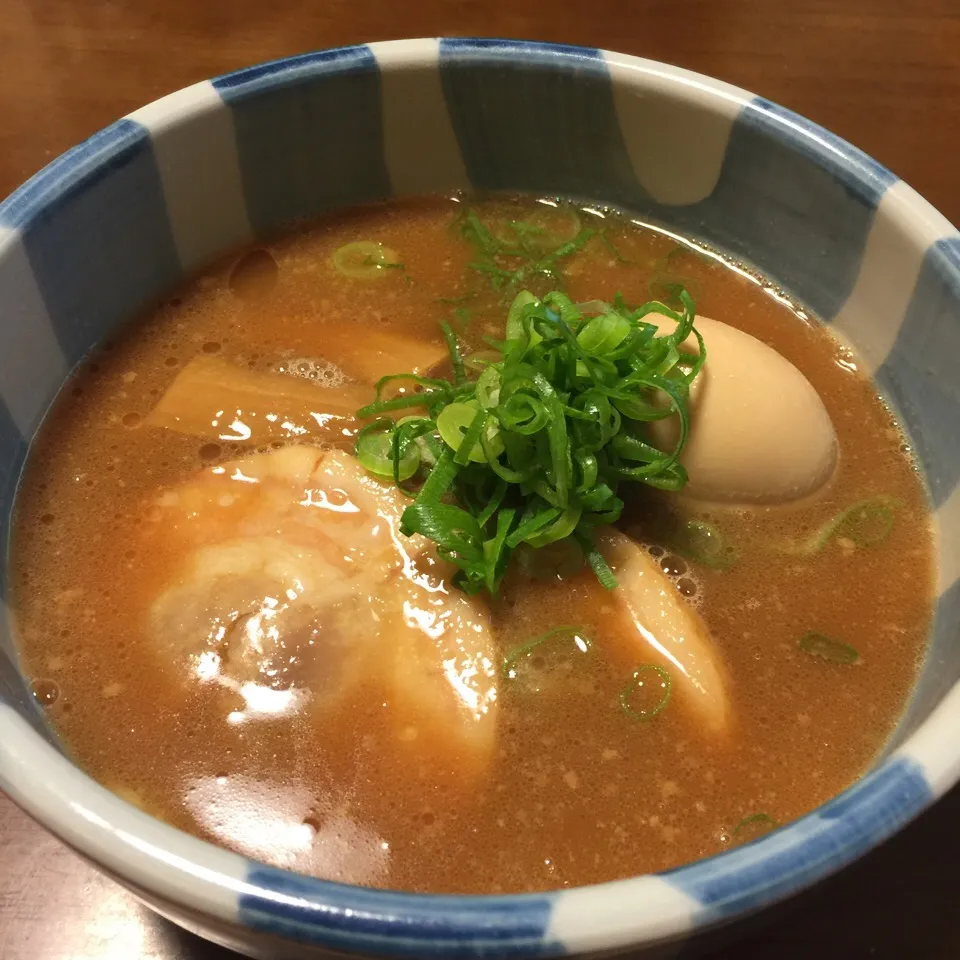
578,792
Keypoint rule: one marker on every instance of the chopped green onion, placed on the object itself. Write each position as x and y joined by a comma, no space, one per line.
667,287
602,335
481,359
519,252
657,677
533,450
516,330
559,529
542,230
365,260
374,451
524,650
488,388
865,524
682,250
596,560
612,247
763,820
454,425
456,360
703,543
470,442
826,648
593,308
423,432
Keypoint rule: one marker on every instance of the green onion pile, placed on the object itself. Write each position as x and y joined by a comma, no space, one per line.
533,450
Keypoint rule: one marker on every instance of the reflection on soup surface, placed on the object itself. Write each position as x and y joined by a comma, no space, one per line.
588,593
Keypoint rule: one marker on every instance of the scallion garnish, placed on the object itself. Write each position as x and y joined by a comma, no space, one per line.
526,649
375,451
365,260
669,276
756,823
703,543
646,678
865,524
552,426
520,252
481,359
826,648
666,287
613,248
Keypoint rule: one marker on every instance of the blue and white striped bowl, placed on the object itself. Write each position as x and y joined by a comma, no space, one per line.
123,217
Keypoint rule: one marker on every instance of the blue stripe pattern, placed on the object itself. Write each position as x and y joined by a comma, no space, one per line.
792,858
920,374
95,230
309,135
536,118
792,198
393,924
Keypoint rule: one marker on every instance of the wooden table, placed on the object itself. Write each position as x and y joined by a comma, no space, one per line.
883,73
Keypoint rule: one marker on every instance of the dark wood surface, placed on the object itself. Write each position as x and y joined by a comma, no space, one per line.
883,73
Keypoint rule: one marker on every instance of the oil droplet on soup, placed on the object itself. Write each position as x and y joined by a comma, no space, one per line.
216,604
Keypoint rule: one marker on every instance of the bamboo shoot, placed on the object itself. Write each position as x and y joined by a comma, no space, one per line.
669,633
216,400
369,353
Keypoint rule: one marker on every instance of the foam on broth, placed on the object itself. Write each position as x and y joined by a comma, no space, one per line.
577,793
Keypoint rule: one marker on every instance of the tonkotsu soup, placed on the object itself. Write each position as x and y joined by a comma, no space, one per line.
588,592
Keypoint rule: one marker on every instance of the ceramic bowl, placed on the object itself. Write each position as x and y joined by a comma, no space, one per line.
121,218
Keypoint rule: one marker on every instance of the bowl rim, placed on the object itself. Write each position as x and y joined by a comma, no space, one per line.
170,866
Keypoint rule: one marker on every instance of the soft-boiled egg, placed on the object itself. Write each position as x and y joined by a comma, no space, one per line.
759,432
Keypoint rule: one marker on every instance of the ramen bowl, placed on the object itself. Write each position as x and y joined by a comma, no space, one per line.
118,220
